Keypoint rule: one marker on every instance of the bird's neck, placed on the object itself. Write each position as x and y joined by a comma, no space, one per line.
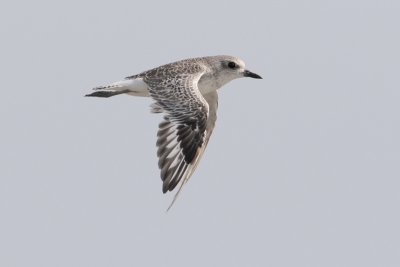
209,83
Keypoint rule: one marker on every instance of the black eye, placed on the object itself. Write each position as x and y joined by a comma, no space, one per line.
232,65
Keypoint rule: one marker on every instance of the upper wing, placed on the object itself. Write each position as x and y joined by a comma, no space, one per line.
185,131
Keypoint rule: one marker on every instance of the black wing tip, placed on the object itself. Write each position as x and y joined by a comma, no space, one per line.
170,186
167,187
164,189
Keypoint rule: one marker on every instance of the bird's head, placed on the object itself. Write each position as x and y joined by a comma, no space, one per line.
228,68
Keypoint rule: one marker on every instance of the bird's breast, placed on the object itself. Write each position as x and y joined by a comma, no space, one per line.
208,84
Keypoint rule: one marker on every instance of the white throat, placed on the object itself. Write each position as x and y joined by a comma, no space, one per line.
209,83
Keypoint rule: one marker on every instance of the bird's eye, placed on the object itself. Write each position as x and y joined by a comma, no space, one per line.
232,65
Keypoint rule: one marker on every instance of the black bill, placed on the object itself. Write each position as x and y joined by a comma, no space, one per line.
250,74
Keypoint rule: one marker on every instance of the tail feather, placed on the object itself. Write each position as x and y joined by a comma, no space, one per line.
124,84
135,87
107,93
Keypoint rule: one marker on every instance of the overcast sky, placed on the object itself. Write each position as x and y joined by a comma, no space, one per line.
302,169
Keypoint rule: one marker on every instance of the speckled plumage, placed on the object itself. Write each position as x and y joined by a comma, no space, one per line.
185,92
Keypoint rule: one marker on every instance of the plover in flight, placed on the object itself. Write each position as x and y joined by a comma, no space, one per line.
186,93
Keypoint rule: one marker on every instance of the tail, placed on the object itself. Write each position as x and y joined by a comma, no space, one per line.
107,93
135,87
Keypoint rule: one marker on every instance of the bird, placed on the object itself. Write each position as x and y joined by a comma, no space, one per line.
185,92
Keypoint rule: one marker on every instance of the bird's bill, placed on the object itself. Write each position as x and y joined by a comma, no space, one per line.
250,74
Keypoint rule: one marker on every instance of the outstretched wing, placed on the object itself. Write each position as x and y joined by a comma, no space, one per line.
184,132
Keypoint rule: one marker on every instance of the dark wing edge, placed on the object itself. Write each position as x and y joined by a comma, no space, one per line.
165,126
183,134
179,144
212,100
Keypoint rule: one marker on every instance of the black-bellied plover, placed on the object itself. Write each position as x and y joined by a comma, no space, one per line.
186,93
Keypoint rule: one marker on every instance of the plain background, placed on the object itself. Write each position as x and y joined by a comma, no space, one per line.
302,169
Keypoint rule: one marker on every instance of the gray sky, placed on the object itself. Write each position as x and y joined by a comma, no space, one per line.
302,169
